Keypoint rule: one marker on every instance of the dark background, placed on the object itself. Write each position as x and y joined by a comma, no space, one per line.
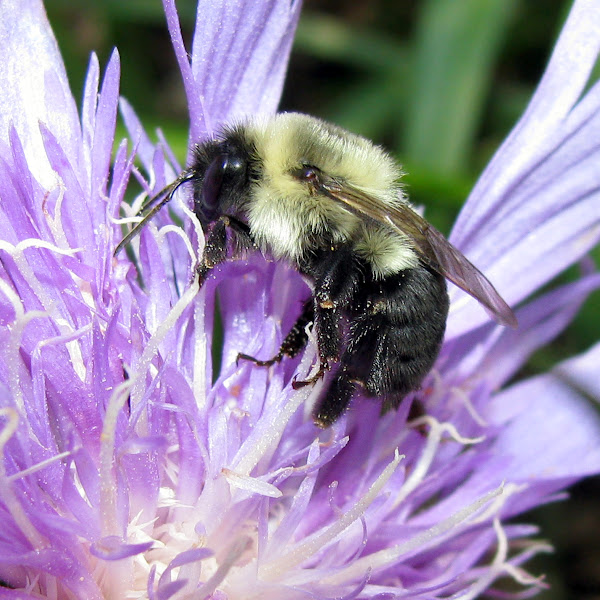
440,83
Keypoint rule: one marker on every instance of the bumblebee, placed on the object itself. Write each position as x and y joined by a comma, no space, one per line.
330,204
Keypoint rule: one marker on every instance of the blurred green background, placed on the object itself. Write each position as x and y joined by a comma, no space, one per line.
440,83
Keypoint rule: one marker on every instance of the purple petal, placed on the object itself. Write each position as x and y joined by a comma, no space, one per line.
581,373
104,127
113,548
34,85
504,351
88,109
551,407
248,77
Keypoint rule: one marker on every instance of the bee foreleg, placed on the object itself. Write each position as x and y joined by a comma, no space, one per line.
293,342
217,244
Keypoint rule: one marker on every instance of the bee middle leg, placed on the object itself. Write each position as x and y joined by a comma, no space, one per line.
337,278
327,324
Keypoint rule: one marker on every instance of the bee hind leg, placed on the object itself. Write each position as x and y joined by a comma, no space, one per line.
336,400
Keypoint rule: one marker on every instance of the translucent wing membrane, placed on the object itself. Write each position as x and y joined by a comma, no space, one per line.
463,273
431,246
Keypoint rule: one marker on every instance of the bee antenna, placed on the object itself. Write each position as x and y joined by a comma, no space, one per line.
152,205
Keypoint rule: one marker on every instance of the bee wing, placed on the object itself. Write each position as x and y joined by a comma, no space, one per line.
431,246
454,265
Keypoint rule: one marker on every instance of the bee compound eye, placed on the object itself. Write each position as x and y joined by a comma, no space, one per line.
223,172
212,183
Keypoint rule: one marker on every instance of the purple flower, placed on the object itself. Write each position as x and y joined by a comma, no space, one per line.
125,473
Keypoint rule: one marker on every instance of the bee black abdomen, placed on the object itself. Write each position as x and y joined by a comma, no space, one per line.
397,331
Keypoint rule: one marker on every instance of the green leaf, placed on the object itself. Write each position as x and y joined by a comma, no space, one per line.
457,43
331,39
